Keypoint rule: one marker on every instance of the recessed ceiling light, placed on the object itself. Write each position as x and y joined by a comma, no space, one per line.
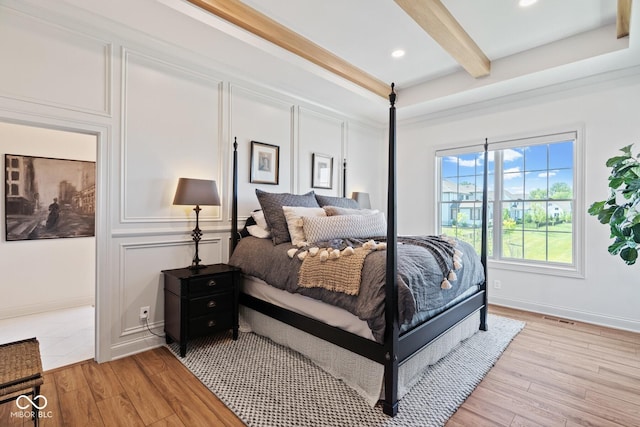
525,3
399,53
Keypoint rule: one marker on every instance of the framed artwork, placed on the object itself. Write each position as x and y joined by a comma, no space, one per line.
321,171
48,198
265,163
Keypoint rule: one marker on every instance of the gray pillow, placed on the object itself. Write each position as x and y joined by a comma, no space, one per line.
272,203
322,228
341,202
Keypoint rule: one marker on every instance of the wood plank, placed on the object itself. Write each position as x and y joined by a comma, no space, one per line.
440,24
102,380
261,25
184,401
119,411
623,18
77,408
172,421
465,418
71,379
145,397
49,390
602,409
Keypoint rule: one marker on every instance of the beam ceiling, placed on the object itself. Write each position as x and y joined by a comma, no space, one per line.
261,25
438,22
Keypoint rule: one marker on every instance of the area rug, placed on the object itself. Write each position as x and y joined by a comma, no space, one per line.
266,384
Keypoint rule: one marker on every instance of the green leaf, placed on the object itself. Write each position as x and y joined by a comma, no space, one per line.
596,208
627,150
629,255
616,246
605,215
615,182
615,160
636,231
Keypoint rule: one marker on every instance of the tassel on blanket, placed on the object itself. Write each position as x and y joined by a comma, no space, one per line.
445,284
452,276
334,254
348,251
324,255
314,251
292,252
302,255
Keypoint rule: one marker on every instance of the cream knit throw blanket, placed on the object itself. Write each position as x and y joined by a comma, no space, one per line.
341,274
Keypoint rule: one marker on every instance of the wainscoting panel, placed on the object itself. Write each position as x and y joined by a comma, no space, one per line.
258,117
81,82
170,129
323,134
141,282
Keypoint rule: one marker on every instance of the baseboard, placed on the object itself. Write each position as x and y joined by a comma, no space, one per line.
134,346
25,310
581,316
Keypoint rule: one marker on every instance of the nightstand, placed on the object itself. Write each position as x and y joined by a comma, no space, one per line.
200,302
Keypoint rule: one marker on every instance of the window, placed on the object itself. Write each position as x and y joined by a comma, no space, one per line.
532,218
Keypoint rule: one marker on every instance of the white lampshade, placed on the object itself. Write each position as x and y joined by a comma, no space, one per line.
362,199
192,191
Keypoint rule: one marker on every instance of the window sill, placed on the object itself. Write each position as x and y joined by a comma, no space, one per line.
542,268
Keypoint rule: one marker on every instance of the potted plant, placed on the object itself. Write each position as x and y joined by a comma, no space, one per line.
622,209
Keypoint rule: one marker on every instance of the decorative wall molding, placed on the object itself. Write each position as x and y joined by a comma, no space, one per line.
188,75
71,43
124,305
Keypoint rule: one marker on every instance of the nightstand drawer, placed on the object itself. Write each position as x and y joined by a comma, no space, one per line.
211,304
205,325
208,285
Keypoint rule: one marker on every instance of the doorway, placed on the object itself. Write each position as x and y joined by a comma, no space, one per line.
49,284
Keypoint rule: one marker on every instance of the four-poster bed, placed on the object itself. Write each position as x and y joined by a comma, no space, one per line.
397,346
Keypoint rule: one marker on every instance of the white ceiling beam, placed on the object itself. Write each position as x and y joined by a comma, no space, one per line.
261,25
438,22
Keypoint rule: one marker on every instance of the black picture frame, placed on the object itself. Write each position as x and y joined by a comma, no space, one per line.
321,171
48,198
265,163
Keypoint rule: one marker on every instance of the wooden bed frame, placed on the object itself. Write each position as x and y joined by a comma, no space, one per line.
397,347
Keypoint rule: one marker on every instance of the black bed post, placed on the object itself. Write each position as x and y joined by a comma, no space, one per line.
483,255
390,405
344,178
234,198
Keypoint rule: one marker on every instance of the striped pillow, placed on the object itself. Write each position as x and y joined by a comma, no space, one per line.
320,228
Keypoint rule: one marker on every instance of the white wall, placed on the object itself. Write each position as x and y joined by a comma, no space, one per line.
161,111
48,274
609,293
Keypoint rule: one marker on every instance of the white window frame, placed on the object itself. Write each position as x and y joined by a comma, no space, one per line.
576,132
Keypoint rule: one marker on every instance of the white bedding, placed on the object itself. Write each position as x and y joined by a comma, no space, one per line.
360,373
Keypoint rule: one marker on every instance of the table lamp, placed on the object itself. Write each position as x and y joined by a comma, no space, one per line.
197,192
362,199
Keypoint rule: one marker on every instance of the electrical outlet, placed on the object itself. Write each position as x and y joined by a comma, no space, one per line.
497,284
144,312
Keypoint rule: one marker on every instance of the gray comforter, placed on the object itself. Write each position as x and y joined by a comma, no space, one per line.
420,274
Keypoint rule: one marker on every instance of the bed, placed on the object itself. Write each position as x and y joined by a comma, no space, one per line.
399,329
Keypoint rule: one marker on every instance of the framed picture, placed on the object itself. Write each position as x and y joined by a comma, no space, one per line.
265,163
321,171
49,198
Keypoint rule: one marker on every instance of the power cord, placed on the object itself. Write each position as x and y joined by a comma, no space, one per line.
146,322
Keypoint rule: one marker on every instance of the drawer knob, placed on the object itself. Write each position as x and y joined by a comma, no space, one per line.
211,323
211,283
211,304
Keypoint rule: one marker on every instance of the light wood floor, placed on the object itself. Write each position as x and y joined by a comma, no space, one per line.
552,374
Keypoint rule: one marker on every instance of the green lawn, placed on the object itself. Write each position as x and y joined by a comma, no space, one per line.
525,242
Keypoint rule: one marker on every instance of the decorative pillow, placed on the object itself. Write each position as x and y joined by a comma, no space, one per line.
336,210
342,202
258,217
272,204
259,232
294,215
319,229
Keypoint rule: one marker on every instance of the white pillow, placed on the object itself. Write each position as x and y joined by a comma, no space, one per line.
259,232
337,210
258,217
319,229
293,215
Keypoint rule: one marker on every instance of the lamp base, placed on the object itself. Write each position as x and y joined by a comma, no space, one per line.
196,267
